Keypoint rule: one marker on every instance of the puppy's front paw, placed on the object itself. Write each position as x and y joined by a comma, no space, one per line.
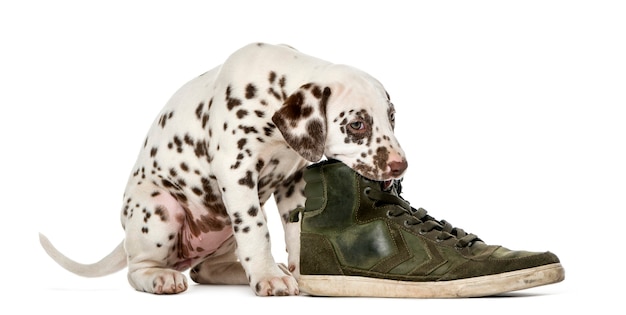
278,283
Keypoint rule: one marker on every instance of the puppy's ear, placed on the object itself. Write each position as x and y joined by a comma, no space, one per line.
302,120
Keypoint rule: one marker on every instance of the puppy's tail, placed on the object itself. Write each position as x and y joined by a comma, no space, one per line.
113,262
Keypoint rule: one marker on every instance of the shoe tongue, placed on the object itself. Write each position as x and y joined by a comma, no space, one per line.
386,185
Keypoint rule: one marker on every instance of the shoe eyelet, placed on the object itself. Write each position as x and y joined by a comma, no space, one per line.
406,224
367,190
389,214
421,232
438,240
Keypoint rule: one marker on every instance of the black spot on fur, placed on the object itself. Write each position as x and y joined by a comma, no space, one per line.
184,167
238,219
250,91
275,94
178,143
247,180
199,110
248,129
161,212
197,191
200,149
163,119
242,113
259,165
241,143
269,129
317,92
167,184
205,120
253,211
231,102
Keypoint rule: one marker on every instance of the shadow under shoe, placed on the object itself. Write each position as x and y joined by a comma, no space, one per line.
360,240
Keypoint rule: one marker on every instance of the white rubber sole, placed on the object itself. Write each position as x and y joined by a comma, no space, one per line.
471,287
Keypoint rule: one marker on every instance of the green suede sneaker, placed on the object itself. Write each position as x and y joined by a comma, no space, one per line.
360,240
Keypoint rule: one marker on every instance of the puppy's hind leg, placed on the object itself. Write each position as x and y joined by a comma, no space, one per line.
151,242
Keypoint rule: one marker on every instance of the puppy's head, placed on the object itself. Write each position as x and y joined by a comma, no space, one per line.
344,114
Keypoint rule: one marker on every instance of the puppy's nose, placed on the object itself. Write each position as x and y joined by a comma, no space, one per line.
397,168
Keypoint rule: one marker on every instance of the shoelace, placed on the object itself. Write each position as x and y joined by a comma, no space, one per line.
419,217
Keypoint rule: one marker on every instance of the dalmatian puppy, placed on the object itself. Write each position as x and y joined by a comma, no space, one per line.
222,145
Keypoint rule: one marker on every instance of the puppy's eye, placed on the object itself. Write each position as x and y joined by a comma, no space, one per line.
357,125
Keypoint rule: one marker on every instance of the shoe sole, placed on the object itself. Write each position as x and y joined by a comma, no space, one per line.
470,287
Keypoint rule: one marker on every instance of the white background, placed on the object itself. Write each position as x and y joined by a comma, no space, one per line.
511,114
